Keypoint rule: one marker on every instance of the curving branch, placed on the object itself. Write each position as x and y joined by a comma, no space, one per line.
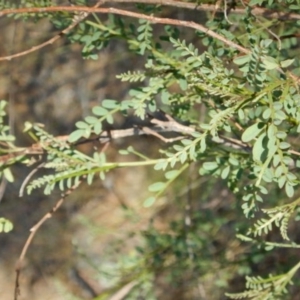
127,13
203,7
156,128
150,18
257,11
33,231
75,22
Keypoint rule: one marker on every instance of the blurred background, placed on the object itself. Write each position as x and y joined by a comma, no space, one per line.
104,242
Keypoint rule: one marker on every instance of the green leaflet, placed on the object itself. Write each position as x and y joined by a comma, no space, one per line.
259,147
5,225
253,131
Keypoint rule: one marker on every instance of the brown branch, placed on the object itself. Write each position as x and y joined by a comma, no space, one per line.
258,11
152,19
159,126
123,292
76,21
169,125
28,177
212,8
149,131
122,12
40,46
202,7
33,231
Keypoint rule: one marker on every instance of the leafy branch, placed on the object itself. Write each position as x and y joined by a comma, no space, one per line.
272,287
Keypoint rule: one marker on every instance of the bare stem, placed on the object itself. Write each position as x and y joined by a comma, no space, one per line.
33,231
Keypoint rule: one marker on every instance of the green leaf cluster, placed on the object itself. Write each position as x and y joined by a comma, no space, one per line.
239,115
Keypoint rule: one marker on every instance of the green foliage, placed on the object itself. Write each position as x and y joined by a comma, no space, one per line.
160,187
92,124
7,146
247,136
271,288
69,164
5,136
279,216
5,225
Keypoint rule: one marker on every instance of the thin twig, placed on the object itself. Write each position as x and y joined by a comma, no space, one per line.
279,15
122,293
76,21
149,131
33,231
167,126
28,177
225,13
204,7
127,13
150,18
294,152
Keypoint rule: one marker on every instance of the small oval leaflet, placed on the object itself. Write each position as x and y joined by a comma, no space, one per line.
108,103
171,174
241,60
149,202
267,113
99,111
288,62
165,97
252,132
210,165
91,119
270,63
284,145
225,172
5,225
258,148
157,186
75,135
289,189
81,125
